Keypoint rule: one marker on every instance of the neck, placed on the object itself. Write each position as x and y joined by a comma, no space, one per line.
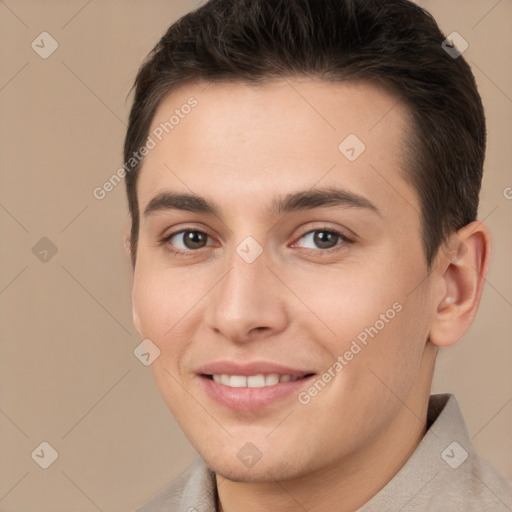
349,483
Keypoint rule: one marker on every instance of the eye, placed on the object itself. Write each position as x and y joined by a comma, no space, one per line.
321,239
187,240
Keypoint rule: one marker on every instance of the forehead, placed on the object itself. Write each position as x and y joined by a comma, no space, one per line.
241,143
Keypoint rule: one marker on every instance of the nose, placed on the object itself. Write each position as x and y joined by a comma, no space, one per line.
248,303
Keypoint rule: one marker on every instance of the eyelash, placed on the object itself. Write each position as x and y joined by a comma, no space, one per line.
343,240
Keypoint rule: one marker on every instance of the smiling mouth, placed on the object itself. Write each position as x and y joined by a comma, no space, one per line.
259,380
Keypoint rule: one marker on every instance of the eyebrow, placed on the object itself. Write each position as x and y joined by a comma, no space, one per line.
294,201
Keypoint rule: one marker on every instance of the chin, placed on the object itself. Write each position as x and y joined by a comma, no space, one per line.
268,471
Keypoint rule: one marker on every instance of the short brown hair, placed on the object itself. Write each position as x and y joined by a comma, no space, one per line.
393,42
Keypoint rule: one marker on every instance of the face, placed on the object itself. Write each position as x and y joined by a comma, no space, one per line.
280,272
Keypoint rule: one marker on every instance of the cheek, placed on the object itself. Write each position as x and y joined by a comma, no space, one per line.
169,304
368,312
159,302
150,304
345,301
162,308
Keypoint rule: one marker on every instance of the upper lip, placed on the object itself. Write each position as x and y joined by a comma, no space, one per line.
251,368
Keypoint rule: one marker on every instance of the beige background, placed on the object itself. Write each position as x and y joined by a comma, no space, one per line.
68,373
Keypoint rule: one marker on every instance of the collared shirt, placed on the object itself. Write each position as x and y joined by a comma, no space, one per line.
444,474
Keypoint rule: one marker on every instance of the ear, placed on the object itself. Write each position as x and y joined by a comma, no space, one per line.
463,266
127,241
135,314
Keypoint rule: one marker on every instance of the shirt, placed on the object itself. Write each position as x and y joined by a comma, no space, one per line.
444,474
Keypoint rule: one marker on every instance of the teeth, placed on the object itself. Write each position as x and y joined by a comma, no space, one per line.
238,381
272,378
253,381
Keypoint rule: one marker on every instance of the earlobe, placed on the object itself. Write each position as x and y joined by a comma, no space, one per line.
127,242
464,262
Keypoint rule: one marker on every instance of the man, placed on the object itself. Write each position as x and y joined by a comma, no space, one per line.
303,181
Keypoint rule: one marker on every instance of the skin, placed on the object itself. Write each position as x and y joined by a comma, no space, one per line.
297,304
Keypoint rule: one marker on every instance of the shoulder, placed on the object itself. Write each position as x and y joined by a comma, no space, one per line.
462,480
444,473
486,487
475,486
465,477
193,490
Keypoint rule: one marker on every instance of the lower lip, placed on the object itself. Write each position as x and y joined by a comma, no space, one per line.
251,399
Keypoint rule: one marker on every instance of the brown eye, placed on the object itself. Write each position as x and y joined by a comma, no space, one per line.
189,240
321,239
325,239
